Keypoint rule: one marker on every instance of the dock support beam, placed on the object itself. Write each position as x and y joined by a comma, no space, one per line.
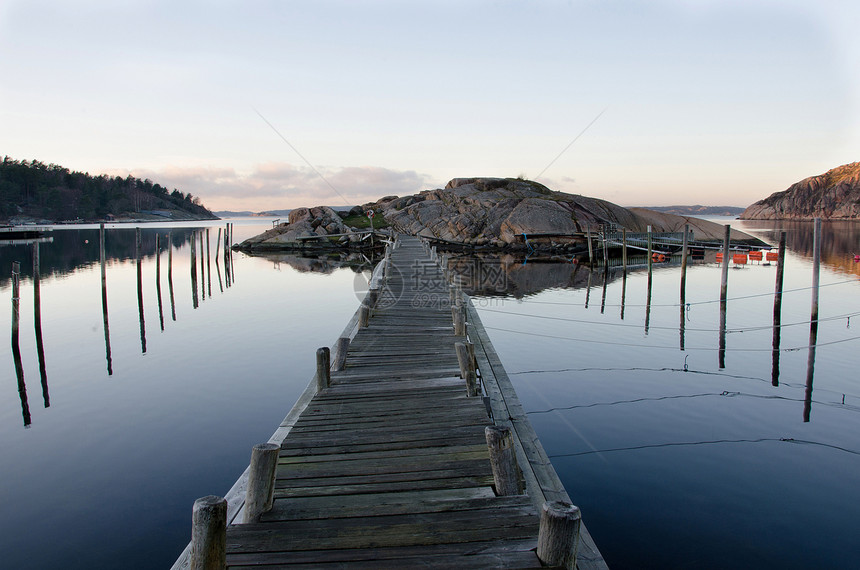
209,533
261,480
323,368
558,537
503,460
340,355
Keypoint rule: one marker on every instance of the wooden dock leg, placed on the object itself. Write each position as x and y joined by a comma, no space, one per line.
340,356
459,315
503,460
209,534
323,368
558,537
261,480
363,316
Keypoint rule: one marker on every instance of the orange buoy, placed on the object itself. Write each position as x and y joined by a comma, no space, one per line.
772,256
755,256
719,256
659,257
739,258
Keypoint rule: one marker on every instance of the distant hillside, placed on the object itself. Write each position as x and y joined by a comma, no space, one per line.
32,190
832,195
698,210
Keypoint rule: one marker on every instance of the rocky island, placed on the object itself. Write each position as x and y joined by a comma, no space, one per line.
834,195
480,213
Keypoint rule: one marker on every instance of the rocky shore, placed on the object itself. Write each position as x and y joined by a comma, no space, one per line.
480,213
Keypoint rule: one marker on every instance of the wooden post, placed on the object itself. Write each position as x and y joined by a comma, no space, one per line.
816,265
104,299
363,316
209,533
138,255
650,253
590,251
202,267
16,300
724,291
323,368
37,324
463,358
261,480
372,297
684,265
503,460
724,277
217,246
158,280
558,536
170,274
777,310
624,249
459,315
340,356
605,253
193,271
208,265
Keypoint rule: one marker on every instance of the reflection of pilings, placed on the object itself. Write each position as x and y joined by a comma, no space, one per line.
648,299
227,273
16,350
777,310
158,280
208,265
170,274
140,290
199,234
813,319
104,298
603,296
217,265
37,323
683,284
194,301
588,287
724,291
623,292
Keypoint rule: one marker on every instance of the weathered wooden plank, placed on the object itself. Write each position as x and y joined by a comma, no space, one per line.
406,485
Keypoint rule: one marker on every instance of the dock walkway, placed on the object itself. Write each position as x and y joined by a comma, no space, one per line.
388,467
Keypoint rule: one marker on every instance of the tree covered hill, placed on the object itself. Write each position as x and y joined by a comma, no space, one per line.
32,189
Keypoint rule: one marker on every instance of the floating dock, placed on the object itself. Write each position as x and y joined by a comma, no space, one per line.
387,460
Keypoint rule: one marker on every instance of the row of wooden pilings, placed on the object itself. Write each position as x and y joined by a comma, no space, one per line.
558,534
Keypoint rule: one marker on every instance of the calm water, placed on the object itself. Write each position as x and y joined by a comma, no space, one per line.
674,460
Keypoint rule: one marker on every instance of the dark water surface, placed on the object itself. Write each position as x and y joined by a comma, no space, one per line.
675,461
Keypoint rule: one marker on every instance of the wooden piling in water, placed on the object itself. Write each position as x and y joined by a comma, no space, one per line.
170,274
37,324
194,301
813,318
624,250
209,533
777,310
16,300
558,537
650,254
16,349
261,481
503,460
199,234
684,265
158,280
724,291
590,251
139,263
104,298
323,368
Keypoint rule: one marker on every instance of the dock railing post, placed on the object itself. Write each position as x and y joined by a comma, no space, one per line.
261,480
558,536
503,460
340,355
209,533
467,366
459,316
323,368
363,316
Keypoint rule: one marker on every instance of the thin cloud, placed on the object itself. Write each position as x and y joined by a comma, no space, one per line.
276,185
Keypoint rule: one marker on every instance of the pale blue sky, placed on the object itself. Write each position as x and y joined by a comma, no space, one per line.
717,103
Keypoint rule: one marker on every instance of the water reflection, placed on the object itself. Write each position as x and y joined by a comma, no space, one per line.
840,240
37,325
105,299
139,263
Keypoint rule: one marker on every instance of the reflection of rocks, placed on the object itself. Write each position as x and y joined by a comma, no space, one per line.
324,263
840,240
490,275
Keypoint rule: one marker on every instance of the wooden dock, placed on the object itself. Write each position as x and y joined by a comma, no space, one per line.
384,463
